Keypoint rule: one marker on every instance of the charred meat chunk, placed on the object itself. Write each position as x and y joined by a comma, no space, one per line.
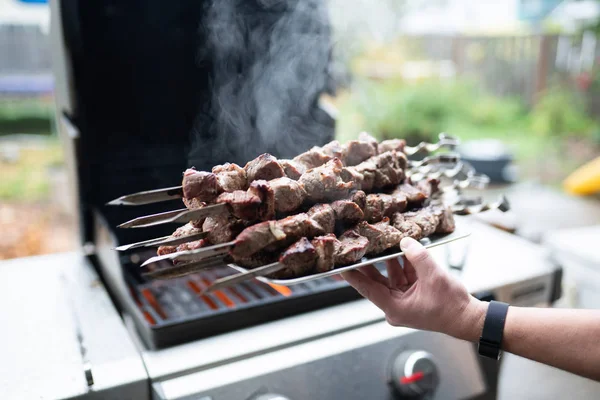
407,227
289,194
383,205
193,203
381,235
265,167
446,219
292,169
222,228
378,172
358,151
299,259
275,234
360,198
333,149
263,190
194,245
350,248
200,185
324,216
255,238
313,158
231,177
243,205
429,186
347,212
351,174
425,218
185,230
391,145
325,248
324,183
414,196
387,170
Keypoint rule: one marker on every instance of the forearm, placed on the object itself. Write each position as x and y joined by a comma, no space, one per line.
564,338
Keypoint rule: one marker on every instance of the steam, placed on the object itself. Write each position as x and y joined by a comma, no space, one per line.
270,62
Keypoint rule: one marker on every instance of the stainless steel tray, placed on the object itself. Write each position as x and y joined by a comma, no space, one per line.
460,232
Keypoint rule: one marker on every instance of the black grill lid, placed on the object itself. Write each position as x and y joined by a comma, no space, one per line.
143,76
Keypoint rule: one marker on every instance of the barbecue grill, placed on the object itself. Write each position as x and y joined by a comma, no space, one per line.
134,131
136,94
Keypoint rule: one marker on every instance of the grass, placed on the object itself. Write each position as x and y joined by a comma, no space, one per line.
27,180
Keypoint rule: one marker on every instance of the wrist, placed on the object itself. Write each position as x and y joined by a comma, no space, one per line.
470,323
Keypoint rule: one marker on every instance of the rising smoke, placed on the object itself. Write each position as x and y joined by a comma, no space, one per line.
270,62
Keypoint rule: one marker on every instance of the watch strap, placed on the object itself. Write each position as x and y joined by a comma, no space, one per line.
490,342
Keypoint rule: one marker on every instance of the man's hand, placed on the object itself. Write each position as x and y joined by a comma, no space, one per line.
421,295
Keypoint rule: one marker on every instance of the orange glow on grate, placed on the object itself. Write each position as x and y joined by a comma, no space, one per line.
149,318
282,290
152,301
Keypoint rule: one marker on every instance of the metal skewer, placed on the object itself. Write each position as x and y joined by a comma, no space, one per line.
445,141
192,255
179,270
244,276
182,216
163,241
502,204
148,197
446,160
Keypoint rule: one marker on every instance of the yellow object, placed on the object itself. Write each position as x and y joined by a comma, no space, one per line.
585,180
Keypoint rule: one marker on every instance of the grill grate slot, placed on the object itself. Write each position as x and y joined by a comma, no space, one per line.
165,305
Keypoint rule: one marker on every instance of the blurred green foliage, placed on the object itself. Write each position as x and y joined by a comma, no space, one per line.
561,112
420,111
27,115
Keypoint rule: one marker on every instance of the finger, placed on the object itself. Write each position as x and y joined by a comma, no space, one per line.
369,289
374,274
418,256
396,276
409,271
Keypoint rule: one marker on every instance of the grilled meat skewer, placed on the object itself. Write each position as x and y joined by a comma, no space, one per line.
346,212
325,252
328,182
269,236
230,177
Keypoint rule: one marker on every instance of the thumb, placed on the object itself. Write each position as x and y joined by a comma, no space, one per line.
418,256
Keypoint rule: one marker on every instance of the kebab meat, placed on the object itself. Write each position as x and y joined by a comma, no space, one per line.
323,253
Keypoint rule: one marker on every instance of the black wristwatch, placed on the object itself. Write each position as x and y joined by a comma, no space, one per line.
490,342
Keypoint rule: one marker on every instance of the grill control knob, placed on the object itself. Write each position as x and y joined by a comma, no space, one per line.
414,374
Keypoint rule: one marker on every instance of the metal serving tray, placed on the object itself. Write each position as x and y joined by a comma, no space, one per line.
460,232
